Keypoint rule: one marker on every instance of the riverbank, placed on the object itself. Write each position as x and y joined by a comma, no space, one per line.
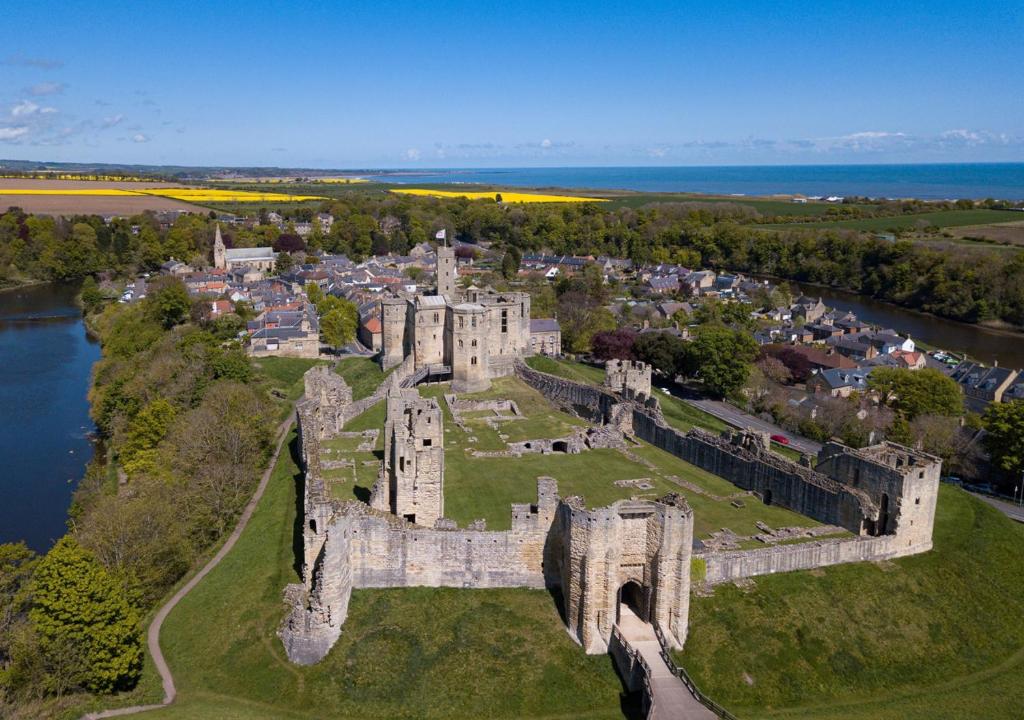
989,343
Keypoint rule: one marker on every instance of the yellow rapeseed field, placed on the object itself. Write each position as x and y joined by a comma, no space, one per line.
184,194
508,197
211,195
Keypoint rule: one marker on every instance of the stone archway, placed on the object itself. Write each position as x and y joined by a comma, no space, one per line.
634,597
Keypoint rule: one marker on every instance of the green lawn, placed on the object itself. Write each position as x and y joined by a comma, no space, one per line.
567,369
404,653
362,374
938,635
942,218
285,374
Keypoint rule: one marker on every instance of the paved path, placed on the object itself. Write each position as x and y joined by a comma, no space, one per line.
736,417
672,699
153,635
1012,511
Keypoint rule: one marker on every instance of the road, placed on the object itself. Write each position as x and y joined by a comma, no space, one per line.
737,418
1014,512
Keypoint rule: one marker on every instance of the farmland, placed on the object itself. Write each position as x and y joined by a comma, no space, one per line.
508,197
60,197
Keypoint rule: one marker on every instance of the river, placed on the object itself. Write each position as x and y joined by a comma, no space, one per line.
981,343
46,361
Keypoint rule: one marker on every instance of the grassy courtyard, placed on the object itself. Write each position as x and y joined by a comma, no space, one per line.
404,653
938,635
486,487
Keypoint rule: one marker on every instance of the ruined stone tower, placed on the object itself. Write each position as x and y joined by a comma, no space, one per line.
332,397
393,312
446,271
412,485
630,378
469,352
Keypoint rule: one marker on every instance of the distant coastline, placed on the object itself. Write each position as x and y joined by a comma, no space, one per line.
1002,181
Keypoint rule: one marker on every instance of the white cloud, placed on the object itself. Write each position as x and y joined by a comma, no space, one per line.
47,88
545,143
140,138
9,134
24,108
412,154
109,122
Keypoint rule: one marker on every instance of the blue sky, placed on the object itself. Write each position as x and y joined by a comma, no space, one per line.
485,84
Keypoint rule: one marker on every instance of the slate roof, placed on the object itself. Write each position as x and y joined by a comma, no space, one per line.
540,325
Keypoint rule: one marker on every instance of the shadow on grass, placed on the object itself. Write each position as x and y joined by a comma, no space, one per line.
362,493
298,546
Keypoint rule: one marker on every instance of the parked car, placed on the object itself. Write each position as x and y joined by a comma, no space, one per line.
780,439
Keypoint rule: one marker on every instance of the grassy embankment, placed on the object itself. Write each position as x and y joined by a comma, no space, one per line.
938,635
404,653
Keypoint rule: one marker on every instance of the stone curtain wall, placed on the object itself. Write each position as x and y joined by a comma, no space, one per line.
735,565
586,401
790,485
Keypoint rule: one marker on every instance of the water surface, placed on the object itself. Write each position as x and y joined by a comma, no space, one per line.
45,365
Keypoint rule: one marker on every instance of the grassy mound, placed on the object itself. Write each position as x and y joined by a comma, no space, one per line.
403,653
939,635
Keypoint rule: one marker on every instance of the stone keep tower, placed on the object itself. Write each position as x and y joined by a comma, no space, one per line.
393,312
469,351
414,457
630,378
219,251
446,272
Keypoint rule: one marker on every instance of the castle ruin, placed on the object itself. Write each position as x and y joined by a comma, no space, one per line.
638,553
468,336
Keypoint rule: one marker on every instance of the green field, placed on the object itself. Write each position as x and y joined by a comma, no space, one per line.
944,218
404,653
937,635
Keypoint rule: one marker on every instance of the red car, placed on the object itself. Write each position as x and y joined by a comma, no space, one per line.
780,439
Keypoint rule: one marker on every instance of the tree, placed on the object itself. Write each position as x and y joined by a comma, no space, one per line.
1004,423
615,344
721,358
314,293
580,318
917,392
92,298
146,430
663,351
283,263
168,302
338,326
79,606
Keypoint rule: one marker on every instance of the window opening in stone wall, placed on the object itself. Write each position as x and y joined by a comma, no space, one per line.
504,321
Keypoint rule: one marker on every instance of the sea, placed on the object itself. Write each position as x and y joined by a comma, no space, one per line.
1003,181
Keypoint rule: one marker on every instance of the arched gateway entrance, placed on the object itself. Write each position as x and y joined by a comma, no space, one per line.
635,598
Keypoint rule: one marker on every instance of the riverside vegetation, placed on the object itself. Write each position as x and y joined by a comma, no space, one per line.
187,421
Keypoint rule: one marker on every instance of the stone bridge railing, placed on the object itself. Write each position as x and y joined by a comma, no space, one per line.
635,671
666,655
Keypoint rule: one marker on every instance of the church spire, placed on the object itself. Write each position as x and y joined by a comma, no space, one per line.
219,251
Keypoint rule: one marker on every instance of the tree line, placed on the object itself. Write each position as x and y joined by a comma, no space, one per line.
187,425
